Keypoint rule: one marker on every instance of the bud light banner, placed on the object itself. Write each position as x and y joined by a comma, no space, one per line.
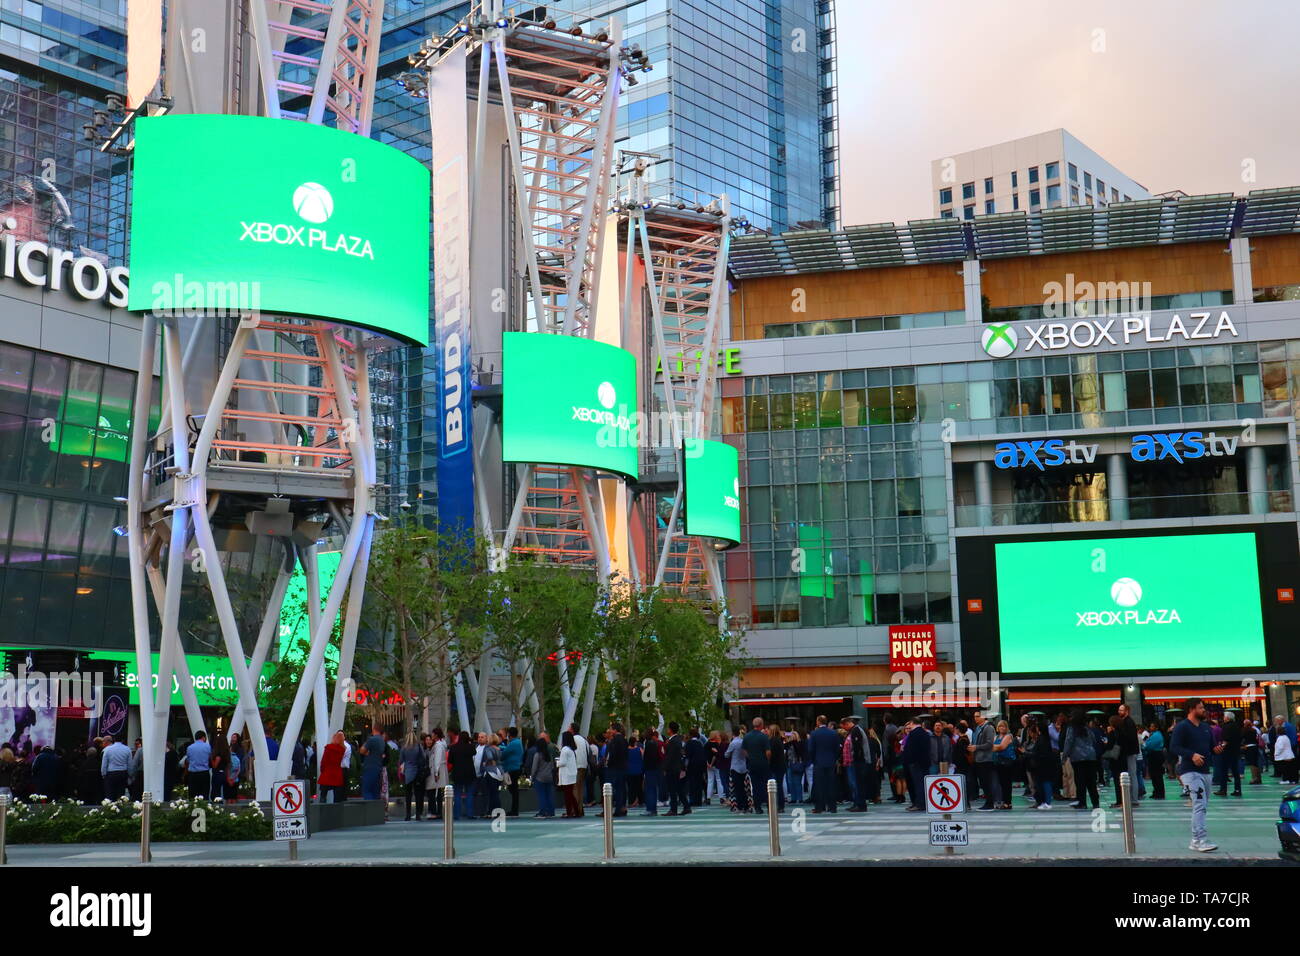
449,161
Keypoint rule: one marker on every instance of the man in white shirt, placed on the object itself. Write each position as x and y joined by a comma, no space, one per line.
583,751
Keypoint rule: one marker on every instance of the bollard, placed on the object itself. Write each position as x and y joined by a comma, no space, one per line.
146,815
4,814
448,827
773,820
607,798
1126,804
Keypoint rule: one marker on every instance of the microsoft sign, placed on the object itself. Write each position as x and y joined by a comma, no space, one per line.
314,221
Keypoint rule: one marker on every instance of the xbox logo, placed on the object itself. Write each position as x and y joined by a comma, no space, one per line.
999,341
1126,592
606,394
313,202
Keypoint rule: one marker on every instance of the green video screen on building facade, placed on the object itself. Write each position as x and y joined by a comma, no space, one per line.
1101,604
712,503
569,401
242,212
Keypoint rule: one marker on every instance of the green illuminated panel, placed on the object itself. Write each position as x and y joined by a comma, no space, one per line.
712,489
1114,603
569,401
244,212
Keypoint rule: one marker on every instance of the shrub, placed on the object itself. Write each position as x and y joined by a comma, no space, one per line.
118,821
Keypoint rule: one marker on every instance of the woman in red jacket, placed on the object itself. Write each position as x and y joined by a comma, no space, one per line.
331,772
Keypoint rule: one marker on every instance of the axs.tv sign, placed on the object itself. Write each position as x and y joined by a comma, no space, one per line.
319,222
1180,447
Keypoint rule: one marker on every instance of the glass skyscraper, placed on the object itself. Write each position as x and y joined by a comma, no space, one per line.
67,373
741,99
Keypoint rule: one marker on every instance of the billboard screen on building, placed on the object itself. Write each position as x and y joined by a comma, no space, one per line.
569,401
1129,603
712,501
242,213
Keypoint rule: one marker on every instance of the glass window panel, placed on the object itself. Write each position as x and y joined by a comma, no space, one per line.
884,500
1191,386
31,517
1006,397
1218,384
6,517
954,401
1137,386
880,406
89,609
1164,387
15,378
783,505
1247,383
830,414
909,496
757,413
1273,378
833,507
22,597
1112,391
49,381
929,399
904,403
810,509
805,410
82,404
780,412
1060,398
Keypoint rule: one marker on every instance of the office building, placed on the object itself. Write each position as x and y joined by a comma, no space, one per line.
1050,170
1036,444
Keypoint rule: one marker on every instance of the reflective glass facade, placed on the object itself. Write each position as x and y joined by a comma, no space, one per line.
64,430
741,100
58,62
847,498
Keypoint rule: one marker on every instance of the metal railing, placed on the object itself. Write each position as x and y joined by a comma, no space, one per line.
1081,510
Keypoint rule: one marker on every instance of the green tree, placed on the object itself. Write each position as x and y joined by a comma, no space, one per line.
427,594
536,610
659,653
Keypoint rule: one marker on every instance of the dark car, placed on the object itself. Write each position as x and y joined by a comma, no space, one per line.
1288,827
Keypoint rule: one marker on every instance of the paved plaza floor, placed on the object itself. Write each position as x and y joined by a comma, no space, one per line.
1242,827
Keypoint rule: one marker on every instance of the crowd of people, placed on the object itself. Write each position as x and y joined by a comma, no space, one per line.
848,763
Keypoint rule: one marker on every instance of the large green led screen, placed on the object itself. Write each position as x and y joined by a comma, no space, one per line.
712,489
244,212
569,401
1105,604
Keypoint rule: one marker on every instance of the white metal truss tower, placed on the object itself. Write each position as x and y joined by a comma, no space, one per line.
545,85
683,249
326,52
282,442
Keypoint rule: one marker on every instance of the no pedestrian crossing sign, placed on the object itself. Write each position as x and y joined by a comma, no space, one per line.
949,833
945,793
289,803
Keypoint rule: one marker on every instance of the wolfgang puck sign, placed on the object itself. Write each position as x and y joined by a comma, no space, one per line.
912,645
